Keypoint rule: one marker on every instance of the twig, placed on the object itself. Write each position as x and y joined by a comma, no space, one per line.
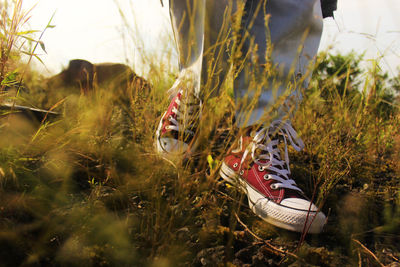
393,257
230,198
368,251
274,249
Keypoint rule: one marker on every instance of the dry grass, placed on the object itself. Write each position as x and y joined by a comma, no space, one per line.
88,189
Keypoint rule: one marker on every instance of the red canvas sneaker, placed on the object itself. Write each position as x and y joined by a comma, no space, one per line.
178,126
257,167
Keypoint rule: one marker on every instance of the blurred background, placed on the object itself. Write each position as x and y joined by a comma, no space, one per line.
96,31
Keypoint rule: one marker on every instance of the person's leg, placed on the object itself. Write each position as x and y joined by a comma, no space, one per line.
178,125
257,165
201,30
187,19
285,49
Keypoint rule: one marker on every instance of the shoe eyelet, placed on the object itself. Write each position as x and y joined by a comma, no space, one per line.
267,177
241,172
235,165
274,186
260,168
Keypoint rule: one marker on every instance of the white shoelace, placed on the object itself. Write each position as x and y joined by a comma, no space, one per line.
175,122
266,140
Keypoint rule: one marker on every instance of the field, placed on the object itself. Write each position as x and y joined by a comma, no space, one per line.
86,188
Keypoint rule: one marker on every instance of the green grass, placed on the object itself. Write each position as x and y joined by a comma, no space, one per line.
87,189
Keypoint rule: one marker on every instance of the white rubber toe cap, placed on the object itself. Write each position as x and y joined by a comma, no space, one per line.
171,147
308,211
291,214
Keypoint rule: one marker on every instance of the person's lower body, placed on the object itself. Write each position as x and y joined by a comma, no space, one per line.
281,54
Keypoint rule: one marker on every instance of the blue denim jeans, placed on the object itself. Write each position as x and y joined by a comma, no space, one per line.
278,39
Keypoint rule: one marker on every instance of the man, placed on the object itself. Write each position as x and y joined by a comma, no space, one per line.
270,54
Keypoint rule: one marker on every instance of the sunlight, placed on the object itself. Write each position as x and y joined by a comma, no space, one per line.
100,36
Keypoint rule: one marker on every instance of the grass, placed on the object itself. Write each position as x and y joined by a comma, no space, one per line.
88,189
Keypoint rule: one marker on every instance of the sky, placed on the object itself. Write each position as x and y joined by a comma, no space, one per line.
95,30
